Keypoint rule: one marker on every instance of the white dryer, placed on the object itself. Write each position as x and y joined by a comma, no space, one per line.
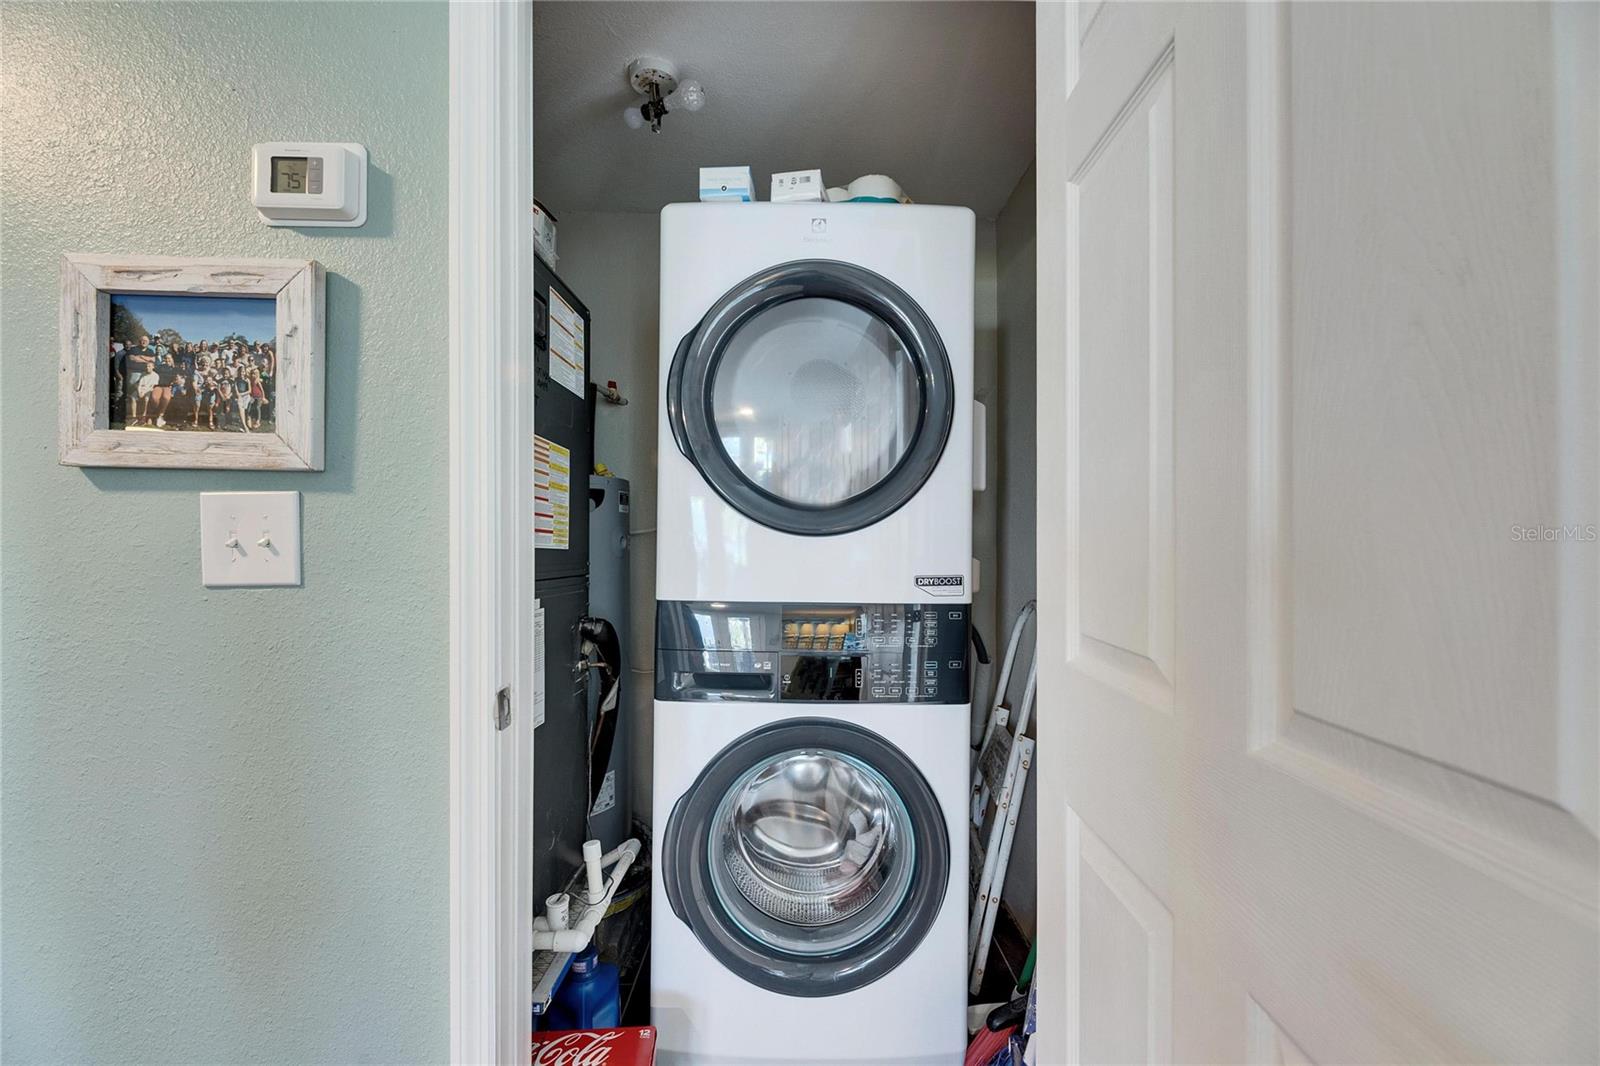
813,595
816,421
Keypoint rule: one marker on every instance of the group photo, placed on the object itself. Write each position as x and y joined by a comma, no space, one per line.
192,363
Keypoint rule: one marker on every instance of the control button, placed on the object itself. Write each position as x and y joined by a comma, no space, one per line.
955,664
858,678
878,691
955,616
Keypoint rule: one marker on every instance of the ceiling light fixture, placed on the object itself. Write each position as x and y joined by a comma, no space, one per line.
657,81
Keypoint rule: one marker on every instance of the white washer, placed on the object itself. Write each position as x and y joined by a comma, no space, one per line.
711,1011
814,540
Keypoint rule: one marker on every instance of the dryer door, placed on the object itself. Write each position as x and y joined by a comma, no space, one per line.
815,397
810,857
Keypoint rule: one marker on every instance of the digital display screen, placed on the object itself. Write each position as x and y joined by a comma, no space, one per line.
822,677
289,173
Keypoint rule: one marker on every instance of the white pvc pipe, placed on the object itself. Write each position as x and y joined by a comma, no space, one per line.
577,936
555,909
571,940
591,865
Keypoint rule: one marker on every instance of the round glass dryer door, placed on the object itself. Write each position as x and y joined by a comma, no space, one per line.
816,398
810,857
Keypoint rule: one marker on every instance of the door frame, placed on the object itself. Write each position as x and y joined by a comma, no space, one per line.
1055,972
491,551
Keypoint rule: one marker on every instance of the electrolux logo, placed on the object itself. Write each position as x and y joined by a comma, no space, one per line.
941,584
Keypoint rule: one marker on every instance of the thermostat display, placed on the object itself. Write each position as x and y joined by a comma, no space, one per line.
292,174
310,184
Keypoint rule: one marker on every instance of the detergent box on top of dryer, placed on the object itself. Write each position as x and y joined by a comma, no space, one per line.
726,183
797,187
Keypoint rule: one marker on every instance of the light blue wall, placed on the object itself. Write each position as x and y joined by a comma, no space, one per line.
225,812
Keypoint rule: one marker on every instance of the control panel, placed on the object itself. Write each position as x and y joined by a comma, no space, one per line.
811,652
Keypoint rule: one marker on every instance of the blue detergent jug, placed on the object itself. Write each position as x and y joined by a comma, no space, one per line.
589,997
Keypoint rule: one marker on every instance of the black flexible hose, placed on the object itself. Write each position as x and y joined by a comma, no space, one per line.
602,650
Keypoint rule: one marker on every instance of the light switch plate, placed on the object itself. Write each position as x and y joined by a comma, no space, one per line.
249,539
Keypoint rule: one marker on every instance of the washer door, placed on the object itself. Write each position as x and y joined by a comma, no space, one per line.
815,397
810,857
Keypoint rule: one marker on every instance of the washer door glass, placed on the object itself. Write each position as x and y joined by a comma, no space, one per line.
811,851
810,857
816,397
815,401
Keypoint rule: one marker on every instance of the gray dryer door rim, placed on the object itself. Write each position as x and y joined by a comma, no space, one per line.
686,857
692,378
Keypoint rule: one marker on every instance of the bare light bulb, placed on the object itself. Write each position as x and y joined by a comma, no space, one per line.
689,96
633,117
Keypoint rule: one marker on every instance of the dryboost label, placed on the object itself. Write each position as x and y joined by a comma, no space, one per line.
941,584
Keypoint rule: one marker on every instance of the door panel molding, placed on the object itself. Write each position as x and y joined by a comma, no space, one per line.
1096,876
1266,1044
1533,842
1123,642
1094,8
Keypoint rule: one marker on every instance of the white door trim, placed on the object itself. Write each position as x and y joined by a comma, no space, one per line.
1057,969
491,553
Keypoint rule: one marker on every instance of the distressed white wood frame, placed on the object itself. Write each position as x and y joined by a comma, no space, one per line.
85,434
491,530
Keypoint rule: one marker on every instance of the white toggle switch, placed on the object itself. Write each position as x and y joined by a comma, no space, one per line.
249,539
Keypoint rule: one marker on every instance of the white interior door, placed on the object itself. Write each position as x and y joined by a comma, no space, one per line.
1319,590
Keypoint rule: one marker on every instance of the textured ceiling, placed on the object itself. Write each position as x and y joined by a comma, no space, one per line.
939,96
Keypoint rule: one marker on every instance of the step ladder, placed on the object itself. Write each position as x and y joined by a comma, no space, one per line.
999,778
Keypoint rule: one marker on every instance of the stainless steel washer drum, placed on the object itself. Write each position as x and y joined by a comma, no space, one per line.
811,851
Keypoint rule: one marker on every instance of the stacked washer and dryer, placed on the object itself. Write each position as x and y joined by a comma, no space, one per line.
813,596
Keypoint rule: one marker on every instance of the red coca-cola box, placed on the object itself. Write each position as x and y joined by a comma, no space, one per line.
632,1045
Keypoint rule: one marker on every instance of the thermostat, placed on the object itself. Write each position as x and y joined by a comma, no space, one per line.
298,183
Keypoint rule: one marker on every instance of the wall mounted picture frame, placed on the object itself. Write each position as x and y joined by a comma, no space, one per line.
195,363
